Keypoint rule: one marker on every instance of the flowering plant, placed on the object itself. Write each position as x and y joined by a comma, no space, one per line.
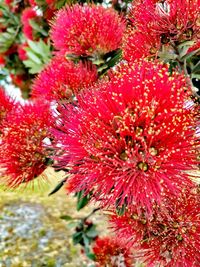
116,107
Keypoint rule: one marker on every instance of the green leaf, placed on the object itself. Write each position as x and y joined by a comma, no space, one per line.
6,39
121,210
33,46
86,241
91,256
33,57
196,68
37,27
61,3
183,48
58,187
186,43
82,200
189,55
40,48
91,232
195,76
71,224
38,53
34,68
77,237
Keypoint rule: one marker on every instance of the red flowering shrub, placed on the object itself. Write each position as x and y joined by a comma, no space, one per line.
62,78
23,153
170,237
87,30
133,139
111,252
125,134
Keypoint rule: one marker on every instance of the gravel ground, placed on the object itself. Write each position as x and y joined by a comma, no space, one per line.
32,233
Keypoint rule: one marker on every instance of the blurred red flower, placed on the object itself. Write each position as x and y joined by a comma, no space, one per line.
27,15
111,252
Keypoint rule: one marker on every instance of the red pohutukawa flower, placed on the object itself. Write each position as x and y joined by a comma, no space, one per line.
137,45
173,21
87,30
23,152
21,50
109,251
27,15
132,138
170,237
32,3
62,78
6,104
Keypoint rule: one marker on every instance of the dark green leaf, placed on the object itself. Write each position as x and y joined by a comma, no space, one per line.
91,256
196,68
82,200
121,210
77,238
58,186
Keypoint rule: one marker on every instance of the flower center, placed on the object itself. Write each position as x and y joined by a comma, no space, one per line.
143,166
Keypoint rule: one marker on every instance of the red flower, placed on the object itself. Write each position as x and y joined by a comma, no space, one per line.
32,3
23,152
170,237
27,15
22,52
51,3
111,252
87,30
2,60
8,2
194,47
173,21
62,78
132,138
6,104
136,45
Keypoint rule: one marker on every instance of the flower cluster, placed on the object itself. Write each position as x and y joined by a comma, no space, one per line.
170,237
132,139
62,78
111,252
175,21
23,152
156,23
87,30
